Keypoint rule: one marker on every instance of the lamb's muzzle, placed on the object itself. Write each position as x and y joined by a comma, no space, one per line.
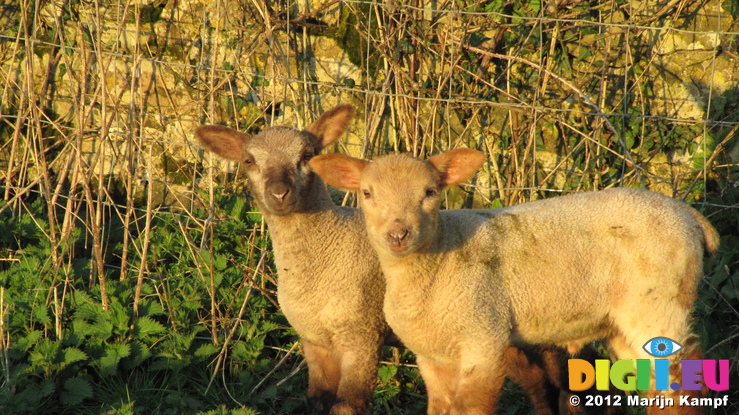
397,240
280,198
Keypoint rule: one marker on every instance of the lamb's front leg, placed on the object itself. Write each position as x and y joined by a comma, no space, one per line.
439,379
358,373
530,372
480,379
323,376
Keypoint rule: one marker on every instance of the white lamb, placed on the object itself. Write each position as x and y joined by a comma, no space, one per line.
462,285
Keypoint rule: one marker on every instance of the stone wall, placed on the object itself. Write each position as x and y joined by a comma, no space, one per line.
120,86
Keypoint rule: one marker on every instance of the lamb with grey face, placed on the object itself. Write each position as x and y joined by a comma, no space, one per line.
329,283
463,285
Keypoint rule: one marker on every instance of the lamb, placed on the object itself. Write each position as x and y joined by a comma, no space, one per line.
463,285
330,286
329,283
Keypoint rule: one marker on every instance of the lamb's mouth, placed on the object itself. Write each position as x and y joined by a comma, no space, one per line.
398,249
401,248
282,209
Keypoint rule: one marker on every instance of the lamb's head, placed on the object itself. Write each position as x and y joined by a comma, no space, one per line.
276,159
400,195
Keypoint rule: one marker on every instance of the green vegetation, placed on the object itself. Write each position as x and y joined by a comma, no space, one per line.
202,327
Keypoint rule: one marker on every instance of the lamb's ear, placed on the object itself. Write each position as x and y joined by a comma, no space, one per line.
457,166
221,140
339,170
330,126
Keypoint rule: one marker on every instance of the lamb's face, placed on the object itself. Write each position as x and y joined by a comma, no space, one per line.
400,198
276,161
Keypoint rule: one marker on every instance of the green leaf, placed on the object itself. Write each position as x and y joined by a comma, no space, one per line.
145,326
629,139
124,409
44,354
385,373
150,308
118,317
81,328
44,389
220,262
584,54
76,390
732,7
71,355
112,357
247,351
25,343
139,353
495,6
207,349
41,314
237,209
101,329
497,204
254,217
729,293
88,311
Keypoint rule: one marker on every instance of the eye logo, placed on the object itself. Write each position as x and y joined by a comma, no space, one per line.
661,347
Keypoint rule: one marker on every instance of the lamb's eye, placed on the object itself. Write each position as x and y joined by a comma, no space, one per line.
307,156
248,161
430,192
367,194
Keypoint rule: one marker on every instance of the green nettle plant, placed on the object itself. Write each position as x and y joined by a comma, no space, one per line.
204,326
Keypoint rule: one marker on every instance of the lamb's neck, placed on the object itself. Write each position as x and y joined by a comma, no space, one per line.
284,229
418,269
